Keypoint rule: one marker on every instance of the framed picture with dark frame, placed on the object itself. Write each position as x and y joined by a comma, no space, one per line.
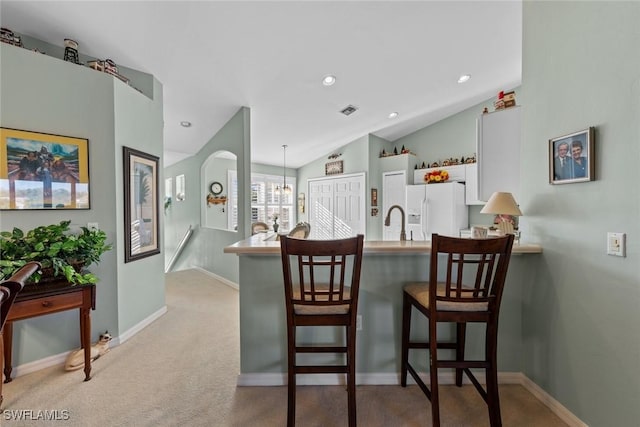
43,171
141,222
572,157
333,168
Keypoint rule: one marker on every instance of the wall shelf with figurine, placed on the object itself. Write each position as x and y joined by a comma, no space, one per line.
71,54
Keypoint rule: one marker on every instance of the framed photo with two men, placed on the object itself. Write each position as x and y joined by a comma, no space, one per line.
43,171
572,157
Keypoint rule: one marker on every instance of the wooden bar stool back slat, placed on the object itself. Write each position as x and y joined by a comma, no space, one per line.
321,284
468,290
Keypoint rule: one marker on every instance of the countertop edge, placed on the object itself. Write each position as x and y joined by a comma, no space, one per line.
254,246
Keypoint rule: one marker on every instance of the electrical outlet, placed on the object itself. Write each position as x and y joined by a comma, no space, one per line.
93,226
359,322
616,243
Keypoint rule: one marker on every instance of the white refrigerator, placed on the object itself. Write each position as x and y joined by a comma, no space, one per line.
436,208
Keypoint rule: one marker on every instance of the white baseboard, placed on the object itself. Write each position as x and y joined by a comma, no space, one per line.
123,337
36,365
556,407
445,378
59,359
227,282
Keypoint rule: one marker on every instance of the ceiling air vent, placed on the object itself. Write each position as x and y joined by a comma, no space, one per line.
349,109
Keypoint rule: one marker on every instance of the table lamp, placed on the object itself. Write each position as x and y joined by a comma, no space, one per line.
502,204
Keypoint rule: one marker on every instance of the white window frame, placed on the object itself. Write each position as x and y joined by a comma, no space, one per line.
263,210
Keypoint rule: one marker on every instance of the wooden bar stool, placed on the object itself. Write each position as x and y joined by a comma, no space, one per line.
469,291
321,282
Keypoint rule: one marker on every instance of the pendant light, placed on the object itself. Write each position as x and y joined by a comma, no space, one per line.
285,188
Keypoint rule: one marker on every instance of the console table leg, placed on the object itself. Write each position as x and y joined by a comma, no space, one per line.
7,340
85,339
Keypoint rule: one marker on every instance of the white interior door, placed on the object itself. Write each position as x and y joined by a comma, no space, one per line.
393,193
337,207
320,209
348,207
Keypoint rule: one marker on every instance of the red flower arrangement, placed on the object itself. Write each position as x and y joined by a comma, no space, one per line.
436,176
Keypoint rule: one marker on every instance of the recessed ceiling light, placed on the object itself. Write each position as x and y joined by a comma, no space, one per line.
393,115
185,124
464,78
328,80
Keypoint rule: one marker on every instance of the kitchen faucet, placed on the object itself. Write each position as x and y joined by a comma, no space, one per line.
387,220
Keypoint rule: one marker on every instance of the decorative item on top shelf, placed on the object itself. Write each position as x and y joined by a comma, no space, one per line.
71,51
107,66
9,37
403,150
504,100
470,159
509,99
436,176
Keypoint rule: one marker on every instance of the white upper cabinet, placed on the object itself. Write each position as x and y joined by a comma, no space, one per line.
498,153
399,162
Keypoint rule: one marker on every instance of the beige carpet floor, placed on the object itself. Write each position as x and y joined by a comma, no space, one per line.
182,371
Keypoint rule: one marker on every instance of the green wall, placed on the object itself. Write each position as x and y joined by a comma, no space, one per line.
581,67
138,124
45,94
206,245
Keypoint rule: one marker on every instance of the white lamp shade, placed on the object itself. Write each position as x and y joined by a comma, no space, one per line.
502,204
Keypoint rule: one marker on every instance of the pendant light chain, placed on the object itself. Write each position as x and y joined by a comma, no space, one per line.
285,187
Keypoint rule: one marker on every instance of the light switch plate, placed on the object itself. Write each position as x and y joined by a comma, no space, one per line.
616,243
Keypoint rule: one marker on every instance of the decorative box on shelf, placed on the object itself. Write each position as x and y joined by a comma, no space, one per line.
107,66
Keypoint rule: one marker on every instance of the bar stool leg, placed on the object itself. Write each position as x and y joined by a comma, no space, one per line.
460,343
291,378
406,333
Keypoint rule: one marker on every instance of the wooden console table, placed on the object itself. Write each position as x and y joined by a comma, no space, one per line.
48,298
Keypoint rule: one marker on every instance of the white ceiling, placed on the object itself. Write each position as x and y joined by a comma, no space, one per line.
214,57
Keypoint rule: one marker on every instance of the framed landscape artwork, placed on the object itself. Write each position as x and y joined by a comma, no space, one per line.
43,171
572,157
141,187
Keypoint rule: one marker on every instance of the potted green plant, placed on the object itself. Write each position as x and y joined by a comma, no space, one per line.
63,254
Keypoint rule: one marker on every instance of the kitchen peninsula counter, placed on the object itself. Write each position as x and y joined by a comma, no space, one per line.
386,267
266,243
